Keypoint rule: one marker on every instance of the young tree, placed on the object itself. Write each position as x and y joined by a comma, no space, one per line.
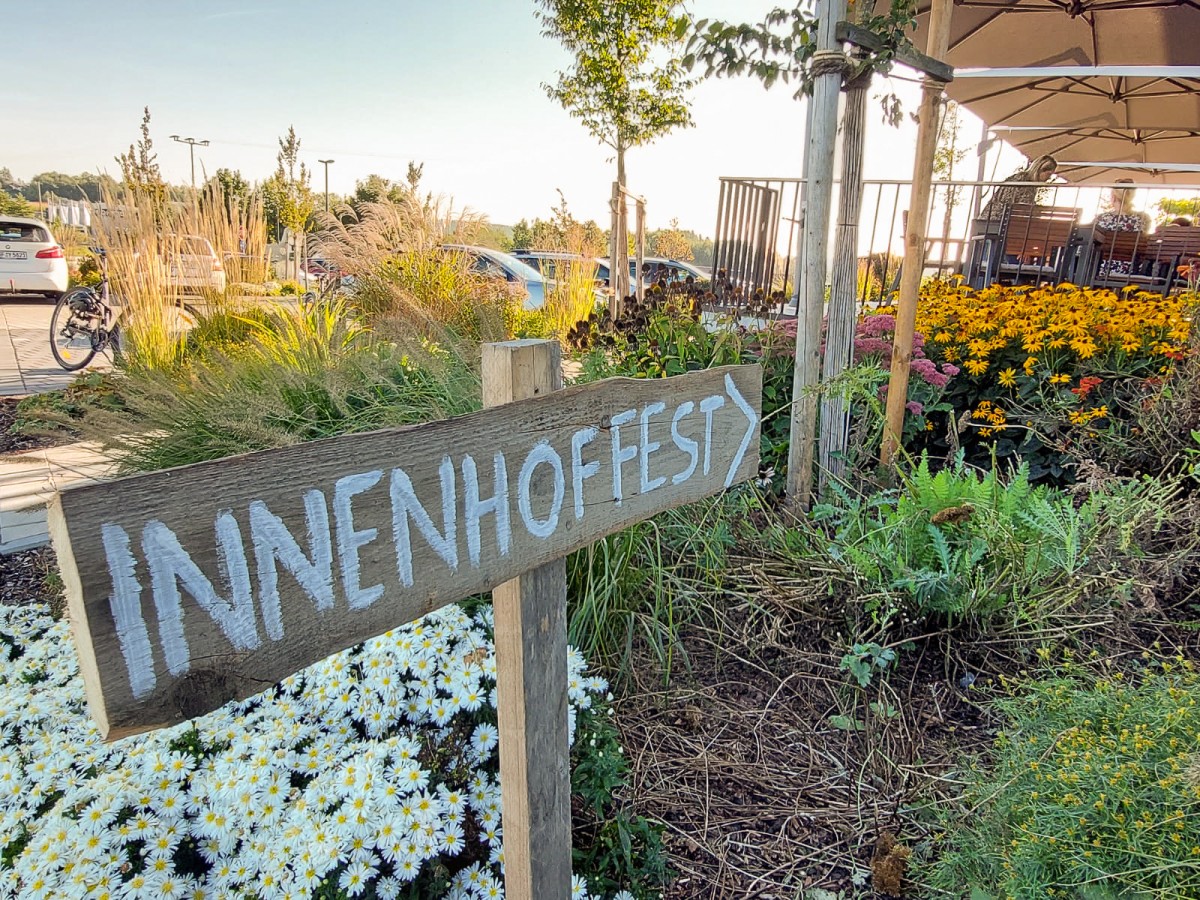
232,189
794,45
372,189
15,205
376,188
627,84
671,243
288,201
522,236
139,167
413,176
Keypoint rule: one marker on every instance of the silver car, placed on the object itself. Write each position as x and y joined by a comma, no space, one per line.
194,266
498,264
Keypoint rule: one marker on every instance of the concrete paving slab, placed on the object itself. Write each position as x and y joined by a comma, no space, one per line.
29,480
27,364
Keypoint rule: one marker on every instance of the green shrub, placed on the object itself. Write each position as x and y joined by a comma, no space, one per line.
218,329
64,410
88,274
614,848
959,547
1094,792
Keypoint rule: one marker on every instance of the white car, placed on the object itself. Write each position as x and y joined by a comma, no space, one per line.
31,260
195,266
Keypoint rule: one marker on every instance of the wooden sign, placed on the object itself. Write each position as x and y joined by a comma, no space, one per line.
191,587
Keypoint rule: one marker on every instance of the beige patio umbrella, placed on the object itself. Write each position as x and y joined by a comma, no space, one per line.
1110,88
1129,98
1006,33
1148,156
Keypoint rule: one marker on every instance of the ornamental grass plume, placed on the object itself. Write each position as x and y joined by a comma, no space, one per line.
404,283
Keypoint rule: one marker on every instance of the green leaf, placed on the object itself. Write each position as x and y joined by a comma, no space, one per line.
845,723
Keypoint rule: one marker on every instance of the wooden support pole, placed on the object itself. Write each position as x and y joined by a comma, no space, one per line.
640,248
914,238
830,65
843,289
531,673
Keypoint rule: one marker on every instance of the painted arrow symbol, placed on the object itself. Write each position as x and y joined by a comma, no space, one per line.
752,420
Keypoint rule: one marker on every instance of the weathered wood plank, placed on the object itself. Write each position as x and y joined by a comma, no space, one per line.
198,585
859,36
531,673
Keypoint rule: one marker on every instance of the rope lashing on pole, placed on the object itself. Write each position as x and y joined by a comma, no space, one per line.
830,62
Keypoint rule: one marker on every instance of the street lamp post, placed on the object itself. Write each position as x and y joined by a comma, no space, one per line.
192,145
325,163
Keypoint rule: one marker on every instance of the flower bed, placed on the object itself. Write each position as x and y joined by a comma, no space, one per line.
1043,368
372,773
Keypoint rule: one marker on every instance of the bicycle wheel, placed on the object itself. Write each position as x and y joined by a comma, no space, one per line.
184,319
73,330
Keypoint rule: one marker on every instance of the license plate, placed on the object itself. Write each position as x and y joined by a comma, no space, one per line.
14,254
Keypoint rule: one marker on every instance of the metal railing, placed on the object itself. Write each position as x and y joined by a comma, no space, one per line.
985,231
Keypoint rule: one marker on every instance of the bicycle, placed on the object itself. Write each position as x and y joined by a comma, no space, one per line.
87,321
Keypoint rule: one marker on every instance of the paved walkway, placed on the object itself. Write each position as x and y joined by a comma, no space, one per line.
28,481
26,364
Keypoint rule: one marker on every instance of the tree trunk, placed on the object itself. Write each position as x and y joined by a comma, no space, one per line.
843,308
621,257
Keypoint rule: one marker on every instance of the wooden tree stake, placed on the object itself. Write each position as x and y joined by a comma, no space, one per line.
914,239
531,673
822,140
843,308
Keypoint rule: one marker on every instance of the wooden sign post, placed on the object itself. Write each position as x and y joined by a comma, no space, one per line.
195,586
531,672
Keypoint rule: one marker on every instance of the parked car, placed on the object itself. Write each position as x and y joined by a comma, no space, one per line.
31,260
656,268
195,266
551,262
497,264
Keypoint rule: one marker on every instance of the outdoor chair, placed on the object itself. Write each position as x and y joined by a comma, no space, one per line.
1025,243
1118,259
943,256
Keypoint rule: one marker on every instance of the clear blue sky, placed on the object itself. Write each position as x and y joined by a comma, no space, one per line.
372,84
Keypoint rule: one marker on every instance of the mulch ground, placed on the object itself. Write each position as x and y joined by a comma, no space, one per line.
30,577
763,795
15,442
